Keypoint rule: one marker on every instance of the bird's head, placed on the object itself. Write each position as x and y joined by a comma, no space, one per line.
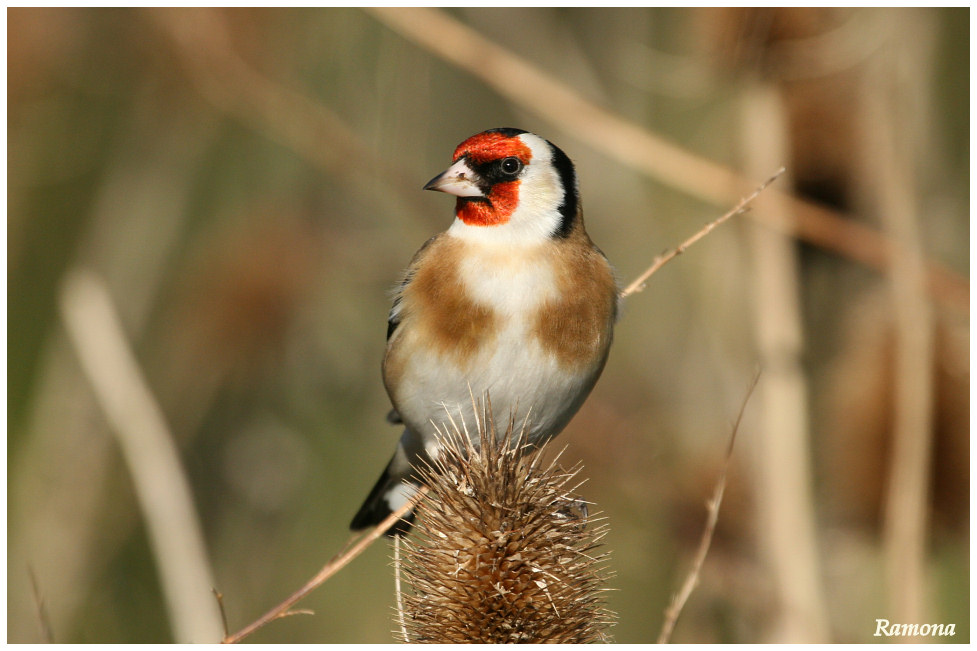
512,184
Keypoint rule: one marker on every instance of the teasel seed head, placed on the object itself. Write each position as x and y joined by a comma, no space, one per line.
503,551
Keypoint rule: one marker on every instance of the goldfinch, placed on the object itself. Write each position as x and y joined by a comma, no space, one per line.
513,301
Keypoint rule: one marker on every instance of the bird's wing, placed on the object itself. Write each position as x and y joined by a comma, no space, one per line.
393,319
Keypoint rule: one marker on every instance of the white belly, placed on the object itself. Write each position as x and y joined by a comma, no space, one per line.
520,379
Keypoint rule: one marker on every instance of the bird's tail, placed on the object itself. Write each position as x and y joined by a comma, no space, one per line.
391,492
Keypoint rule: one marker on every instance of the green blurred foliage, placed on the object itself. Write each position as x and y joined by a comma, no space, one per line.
251,257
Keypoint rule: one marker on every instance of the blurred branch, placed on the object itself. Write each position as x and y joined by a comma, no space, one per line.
161,486
336,563
892,110
202,42
784,490
63,474
526,85
692,579
638,284
849,44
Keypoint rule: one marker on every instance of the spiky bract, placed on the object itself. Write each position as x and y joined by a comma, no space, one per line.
503,551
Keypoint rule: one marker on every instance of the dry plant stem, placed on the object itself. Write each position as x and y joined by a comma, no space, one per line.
639,283
147,446
786,517
399,592
892,115
532,89
338,562
692,579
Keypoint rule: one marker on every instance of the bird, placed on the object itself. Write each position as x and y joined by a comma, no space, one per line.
513,301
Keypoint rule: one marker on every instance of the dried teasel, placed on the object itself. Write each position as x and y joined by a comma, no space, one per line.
503,551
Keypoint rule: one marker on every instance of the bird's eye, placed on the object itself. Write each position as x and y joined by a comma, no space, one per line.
511,166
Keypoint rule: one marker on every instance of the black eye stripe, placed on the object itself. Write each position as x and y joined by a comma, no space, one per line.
499,170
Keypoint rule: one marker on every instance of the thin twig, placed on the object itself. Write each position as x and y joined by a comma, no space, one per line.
47,636
639,283
161,486
682,596
353,548
220,604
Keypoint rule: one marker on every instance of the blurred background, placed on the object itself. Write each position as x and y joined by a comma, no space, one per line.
231,194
